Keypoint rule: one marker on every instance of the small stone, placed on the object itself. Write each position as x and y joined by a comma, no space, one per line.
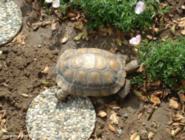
1,52
102,114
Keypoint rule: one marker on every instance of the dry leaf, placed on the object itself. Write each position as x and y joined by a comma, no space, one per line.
25,95
64,39
20,39
182,97
174,132
102,114
141,68
179,118
183,32
174,104
158,93
114,119
106,31
155,100
79,26
140,95
135,136
150,135
118,42
54,25
112,128
71,14
45,70
82,35
78,37
20,136
139,115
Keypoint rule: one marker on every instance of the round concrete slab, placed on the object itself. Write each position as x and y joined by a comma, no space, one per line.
10,20
48,119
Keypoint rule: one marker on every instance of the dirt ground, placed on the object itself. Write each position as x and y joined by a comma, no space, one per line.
23,75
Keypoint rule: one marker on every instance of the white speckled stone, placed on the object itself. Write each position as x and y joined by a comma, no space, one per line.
48,119
10,20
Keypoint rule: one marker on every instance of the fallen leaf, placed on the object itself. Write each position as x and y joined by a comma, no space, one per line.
149,37
141,68
179,118
106,31
158,93
135,136
118,42
39,24
45,70
81,35
79,26
174,104
25,95
64,39
139,115
54,25
174,132
183,32
71,14
140,95
102,114
112,128
114,119
20,136
78,37
150,135
182,97
155,100
20,39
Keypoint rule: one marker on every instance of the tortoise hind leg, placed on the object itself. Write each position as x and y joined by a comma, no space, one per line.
125,90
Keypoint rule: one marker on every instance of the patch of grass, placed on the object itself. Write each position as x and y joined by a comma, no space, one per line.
164,61
119,13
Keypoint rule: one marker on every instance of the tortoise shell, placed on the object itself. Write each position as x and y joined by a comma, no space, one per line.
90,72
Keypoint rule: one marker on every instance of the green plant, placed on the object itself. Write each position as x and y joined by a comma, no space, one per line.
137,79
164,61
119,13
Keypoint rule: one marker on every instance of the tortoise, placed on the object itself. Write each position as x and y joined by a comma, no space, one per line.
92,72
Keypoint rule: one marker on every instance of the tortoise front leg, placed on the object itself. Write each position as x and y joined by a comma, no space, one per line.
60,95
126,89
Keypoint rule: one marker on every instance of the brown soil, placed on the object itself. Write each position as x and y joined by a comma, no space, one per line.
22,79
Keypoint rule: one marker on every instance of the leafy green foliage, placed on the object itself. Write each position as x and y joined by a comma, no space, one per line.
119,13
137,79
164,61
